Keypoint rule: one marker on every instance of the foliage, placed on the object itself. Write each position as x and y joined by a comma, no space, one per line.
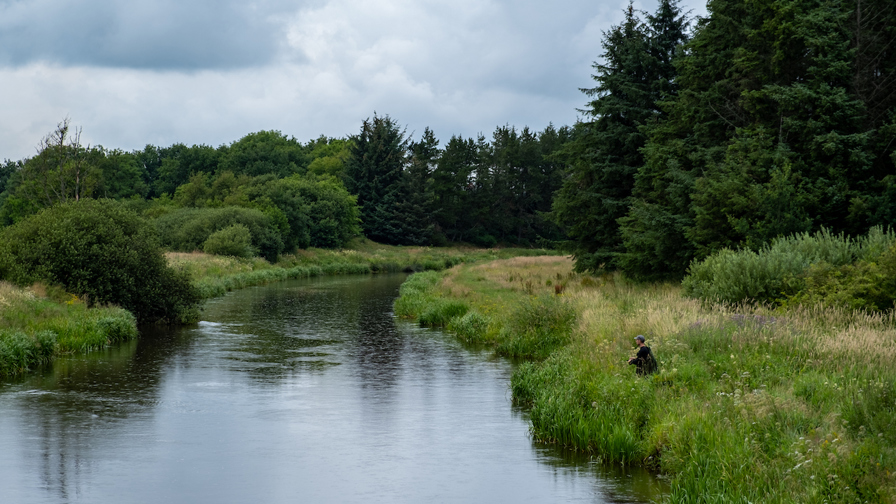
494,192
865,285
187,229
328,156
263,153
634,75
773,131
235,240
97,249
783,269
375,173
319,212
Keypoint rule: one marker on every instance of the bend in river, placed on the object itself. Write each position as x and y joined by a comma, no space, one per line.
301,391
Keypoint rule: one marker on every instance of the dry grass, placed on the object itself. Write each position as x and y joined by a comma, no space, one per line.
751,403
10,294
201,265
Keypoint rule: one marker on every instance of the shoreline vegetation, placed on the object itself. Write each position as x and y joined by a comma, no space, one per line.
215,275
751,403
40,322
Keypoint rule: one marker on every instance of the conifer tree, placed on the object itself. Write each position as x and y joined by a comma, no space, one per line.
635,73
769,135
376,174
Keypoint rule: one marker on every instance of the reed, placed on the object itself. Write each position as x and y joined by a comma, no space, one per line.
34,328
751,403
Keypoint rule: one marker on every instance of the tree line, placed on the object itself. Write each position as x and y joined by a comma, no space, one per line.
290,194
764,119
768,118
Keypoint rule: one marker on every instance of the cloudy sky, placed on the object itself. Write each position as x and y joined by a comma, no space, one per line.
210,71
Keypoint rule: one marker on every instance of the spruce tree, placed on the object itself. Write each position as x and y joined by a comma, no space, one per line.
452,185
771,133
635,74
376,174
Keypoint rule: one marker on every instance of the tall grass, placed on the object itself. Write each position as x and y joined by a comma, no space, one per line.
34,329
530,328
751,404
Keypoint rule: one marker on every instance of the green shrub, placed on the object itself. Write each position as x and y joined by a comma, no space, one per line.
187,229
866,285
98,249
778,271
235,240
320,213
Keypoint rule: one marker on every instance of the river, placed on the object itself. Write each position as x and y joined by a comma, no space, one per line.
301,391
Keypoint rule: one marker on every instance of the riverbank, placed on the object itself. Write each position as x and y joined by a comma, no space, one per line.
749,405
40,323
215,275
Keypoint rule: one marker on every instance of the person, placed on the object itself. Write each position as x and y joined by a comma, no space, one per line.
643,361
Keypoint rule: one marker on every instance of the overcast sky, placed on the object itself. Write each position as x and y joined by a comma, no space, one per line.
210,71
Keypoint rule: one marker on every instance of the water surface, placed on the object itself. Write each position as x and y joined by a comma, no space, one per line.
301,391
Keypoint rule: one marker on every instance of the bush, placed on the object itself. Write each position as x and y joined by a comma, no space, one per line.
98,249
318,213
866,285
187,229
235,240
778,271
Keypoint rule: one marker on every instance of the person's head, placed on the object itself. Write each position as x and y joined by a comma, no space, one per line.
639,340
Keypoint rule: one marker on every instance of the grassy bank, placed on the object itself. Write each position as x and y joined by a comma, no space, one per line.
36,326
40,323
215,275
749,405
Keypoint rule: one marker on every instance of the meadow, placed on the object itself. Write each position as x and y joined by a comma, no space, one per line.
751,403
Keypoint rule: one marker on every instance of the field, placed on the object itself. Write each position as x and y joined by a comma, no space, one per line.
750,404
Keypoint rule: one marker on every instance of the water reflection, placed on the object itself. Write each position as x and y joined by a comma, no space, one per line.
305,391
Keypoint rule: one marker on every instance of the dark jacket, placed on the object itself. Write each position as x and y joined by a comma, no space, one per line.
644,361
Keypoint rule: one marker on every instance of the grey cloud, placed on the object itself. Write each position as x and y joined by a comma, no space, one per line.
144,34
305,67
